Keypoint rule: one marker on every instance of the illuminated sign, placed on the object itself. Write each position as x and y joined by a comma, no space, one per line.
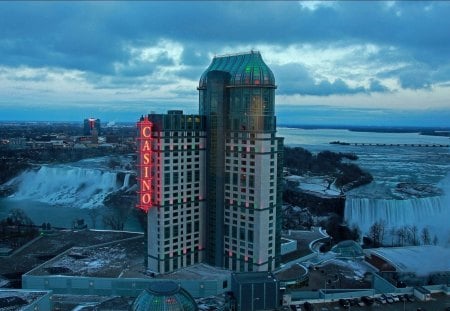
144,150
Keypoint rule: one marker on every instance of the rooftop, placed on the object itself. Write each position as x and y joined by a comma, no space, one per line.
164,296
254,277
123,258
18,299
422,260
245,69
48,246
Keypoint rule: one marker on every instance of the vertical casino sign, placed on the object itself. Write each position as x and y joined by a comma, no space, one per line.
144,150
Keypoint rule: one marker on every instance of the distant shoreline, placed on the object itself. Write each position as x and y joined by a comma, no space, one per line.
430,131
425,130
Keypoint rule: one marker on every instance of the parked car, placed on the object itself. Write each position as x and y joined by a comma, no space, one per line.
368,300
402,298
308,306
355,301
380,300
396,299
344,303
388,298
411,298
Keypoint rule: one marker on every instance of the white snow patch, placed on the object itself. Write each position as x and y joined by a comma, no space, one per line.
358,268
317,184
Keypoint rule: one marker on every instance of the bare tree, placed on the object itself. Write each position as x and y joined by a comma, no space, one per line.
414,235
116,218
402,234
355,233
393,233
93,214
376,232
425,235
435,240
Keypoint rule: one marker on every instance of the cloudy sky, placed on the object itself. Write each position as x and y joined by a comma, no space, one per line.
339,63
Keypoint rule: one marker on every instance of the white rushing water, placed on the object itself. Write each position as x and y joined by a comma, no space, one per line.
432,213
67,185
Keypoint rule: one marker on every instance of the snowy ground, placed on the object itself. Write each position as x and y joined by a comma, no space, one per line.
357,268
22,298
103,261
318,184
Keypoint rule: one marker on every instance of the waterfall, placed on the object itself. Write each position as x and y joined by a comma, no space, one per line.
432,213
126,181
66,185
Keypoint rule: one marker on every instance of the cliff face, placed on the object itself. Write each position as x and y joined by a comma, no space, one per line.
317,204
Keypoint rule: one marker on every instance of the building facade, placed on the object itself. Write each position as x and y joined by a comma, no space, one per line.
91,126
237,96
216,176
176,212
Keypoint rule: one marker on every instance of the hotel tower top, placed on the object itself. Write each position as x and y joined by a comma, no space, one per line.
244,69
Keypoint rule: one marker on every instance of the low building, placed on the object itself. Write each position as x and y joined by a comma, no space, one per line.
411,265
255,291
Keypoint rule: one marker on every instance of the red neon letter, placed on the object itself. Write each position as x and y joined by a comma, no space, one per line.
144,142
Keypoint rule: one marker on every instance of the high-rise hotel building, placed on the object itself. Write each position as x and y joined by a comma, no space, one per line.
228,212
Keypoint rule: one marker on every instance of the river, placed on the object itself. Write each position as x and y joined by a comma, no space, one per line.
58,194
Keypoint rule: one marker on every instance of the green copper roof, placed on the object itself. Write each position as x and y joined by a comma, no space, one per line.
245,69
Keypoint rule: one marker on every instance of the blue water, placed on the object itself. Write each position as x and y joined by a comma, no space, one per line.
388,165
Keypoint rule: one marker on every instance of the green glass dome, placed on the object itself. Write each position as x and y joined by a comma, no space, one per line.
164,296
245,69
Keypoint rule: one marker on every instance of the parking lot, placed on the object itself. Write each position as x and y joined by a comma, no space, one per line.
438,302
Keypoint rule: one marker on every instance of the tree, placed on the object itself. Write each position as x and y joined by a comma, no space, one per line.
18,217
116,218
402,234
435,240
355,233
425,235
393,232
376,232
414,235
24,224
93,214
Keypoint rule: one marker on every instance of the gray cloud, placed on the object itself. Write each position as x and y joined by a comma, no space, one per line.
97,38
377,86
297,79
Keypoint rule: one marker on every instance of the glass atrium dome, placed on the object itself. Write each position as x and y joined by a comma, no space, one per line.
348,249
164,296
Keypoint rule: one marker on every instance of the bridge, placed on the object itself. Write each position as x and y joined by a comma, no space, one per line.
389,145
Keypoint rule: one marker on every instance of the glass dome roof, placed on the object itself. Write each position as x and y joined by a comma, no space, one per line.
348,249
245,69
164,296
